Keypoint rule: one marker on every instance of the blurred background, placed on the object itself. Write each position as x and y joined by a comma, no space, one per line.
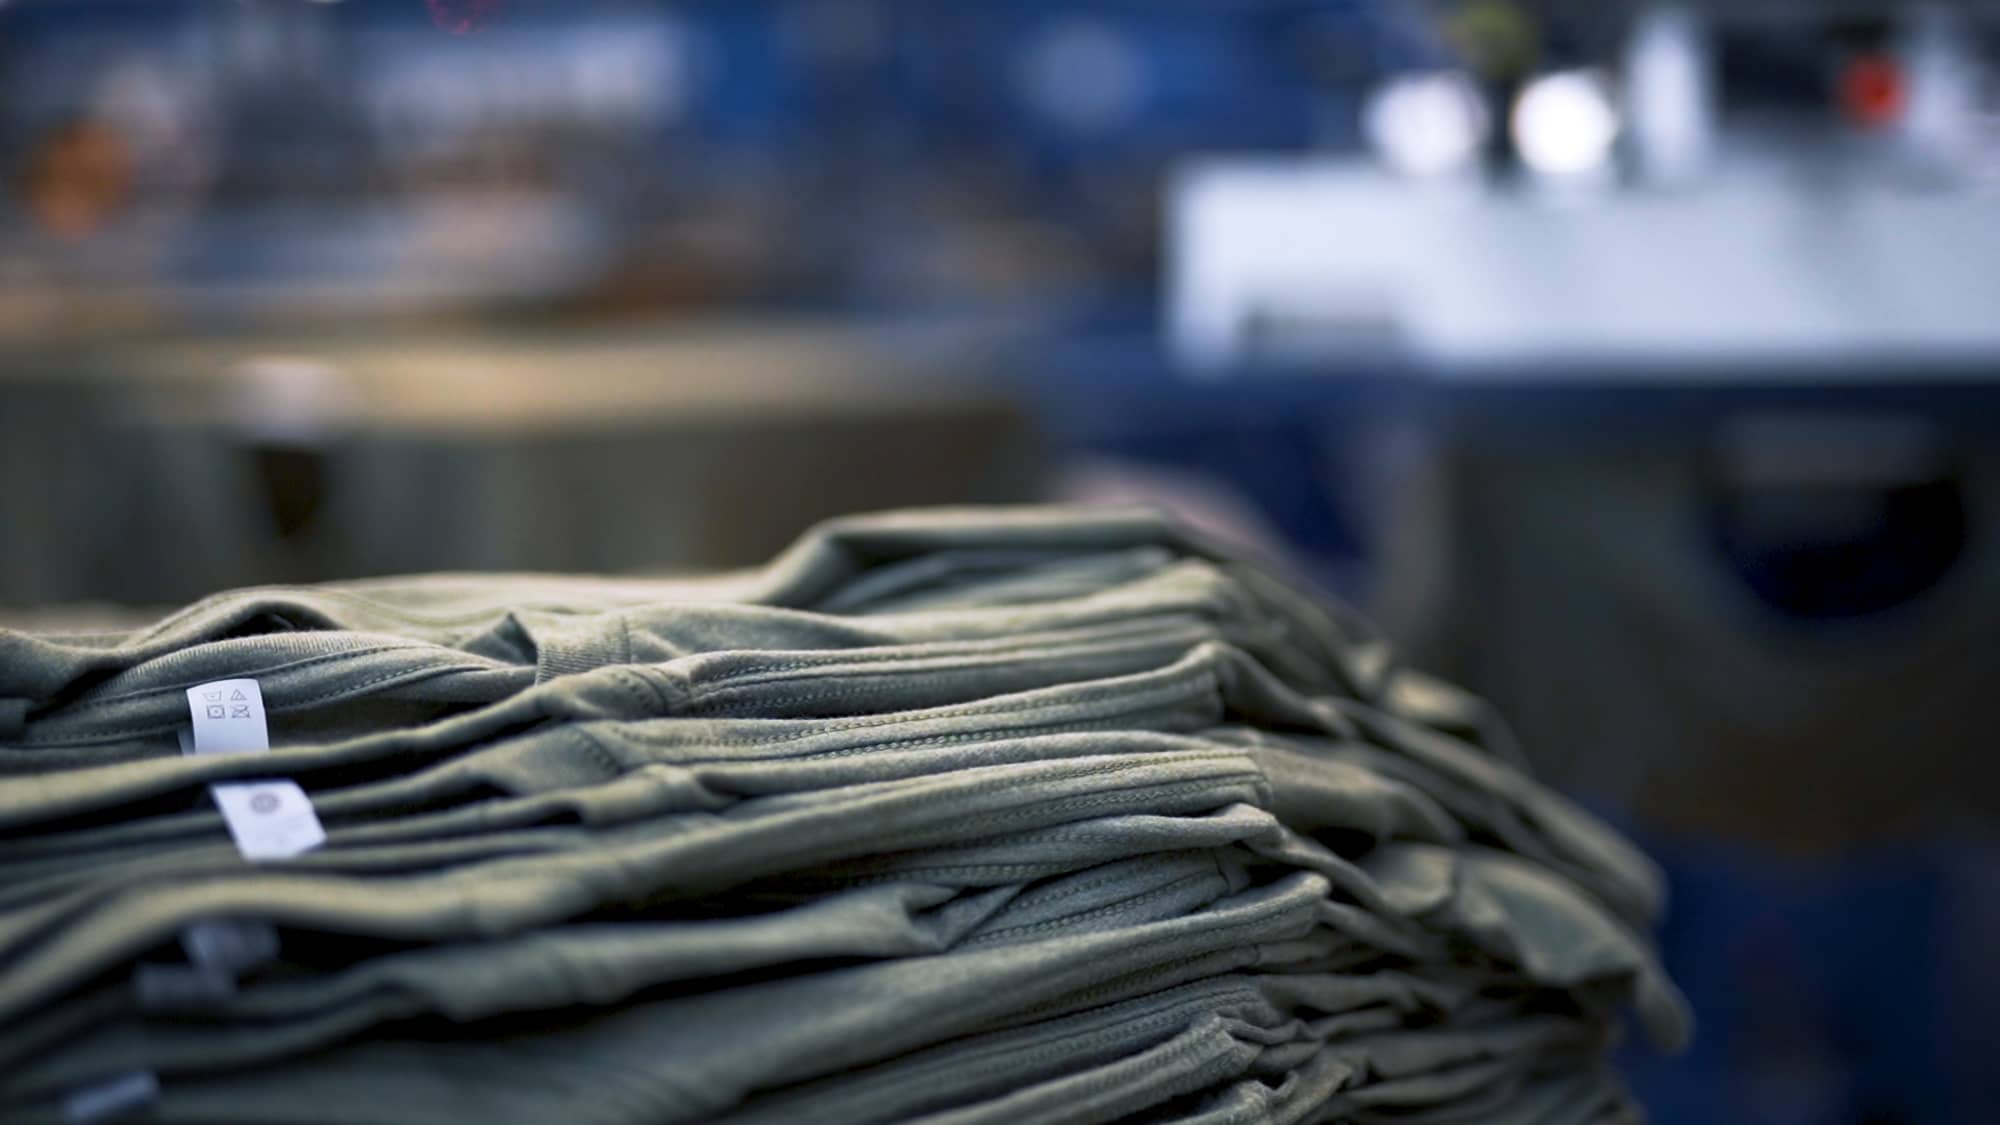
1635,364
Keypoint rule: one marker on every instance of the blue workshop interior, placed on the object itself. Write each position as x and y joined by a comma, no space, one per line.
1634,364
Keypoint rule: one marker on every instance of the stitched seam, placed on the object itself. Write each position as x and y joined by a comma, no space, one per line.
1023,865
1204,599
86,706
1070,920
1203,682
1211,596
293,597
1059,834
716,695
645,685
637,693
1091,997
1110,799
919,665
1051,895
893,745
981,1064
991,870
1020,728
1056,834
1055,1049
289,706
1082,639
1023,728
821,696
599,753
709,697
985,786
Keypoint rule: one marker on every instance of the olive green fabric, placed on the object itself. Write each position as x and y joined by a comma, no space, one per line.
965,816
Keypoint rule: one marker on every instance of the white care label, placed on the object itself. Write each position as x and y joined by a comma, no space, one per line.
269,819
113,1097
228,717
230,945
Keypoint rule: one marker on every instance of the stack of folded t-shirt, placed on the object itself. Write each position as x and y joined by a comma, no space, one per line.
1000,816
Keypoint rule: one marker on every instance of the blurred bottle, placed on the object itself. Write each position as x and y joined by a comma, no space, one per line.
1670,97
1940,125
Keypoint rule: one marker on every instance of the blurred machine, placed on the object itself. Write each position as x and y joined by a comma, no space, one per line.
1684,429
1697,393
1683,338
1784,277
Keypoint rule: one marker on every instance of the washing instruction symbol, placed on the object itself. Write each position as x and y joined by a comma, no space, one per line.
215,710
240,708
265,803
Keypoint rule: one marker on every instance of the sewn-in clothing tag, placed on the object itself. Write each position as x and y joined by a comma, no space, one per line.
111,1098
221,949
228,717
230,945
269,819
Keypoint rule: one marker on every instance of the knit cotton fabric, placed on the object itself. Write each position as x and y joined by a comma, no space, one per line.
968,815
